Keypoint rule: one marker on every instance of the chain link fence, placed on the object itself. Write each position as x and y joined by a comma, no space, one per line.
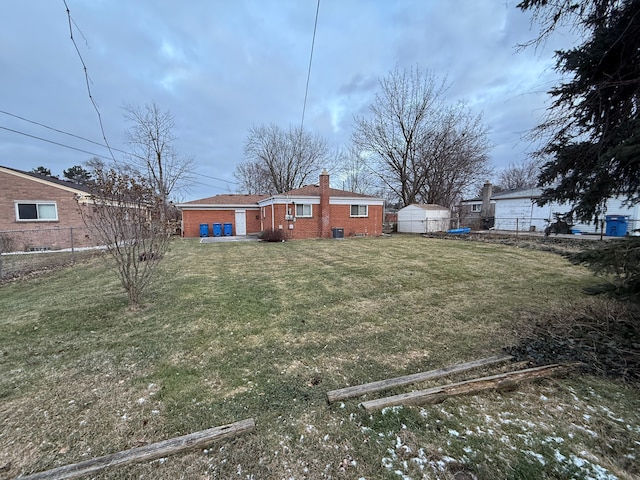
26,251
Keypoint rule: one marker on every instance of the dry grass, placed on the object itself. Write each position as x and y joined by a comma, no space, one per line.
263,330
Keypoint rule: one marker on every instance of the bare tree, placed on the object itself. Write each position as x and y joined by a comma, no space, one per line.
454,156
288,158
154,156
253,177
423,149
126,215
519,175
355,173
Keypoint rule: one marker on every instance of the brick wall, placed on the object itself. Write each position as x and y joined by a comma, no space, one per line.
49,234
339,217
191,220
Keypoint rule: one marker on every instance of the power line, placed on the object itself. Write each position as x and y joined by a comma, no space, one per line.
86,76
57,130
64,145
306,90
67,133
53,142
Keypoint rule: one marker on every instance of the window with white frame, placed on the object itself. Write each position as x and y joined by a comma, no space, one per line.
36,211
303,210
476,208
359,210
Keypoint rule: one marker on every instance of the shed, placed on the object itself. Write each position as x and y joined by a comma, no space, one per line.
423,218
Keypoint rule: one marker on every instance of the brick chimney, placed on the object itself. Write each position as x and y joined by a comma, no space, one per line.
325,220
487,191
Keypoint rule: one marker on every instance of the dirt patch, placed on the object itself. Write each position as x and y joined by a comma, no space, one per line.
602,334
561,245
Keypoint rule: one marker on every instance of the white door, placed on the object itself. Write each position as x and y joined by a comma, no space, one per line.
241,222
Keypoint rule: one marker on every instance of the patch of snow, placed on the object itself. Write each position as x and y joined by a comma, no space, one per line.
586,430
554,439
536,455
560,458
454,433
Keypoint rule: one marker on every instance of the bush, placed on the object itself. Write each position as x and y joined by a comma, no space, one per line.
272,236
620,259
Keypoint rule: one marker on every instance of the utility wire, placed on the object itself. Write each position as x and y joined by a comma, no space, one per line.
51,141
86,140
67,133
86,76
306,90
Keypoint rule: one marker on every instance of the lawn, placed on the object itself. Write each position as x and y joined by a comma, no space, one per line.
263,330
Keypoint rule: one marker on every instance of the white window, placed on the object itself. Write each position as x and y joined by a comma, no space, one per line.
303,210
36,211
359,210
475,207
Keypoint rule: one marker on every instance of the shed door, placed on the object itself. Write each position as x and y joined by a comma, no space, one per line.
241,222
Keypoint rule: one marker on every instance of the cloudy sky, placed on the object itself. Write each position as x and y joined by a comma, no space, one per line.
221,67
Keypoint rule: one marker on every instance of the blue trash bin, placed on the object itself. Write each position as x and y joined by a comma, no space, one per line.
228,229
204,229
217,229
616,225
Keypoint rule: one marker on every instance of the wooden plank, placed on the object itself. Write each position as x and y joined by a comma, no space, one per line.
146,453
358,390
501,382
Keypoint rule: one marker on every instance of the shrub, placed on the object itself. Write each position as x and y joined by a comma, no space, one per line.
272,236
618,258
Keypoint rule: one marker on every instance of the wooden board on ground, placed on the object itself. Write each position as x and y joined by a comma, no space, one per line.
503,381
358,390
148,452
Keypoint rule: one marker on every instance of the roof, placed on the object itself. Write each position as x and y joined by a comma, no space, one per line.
228,199
314,191
529,192
428,206
53,180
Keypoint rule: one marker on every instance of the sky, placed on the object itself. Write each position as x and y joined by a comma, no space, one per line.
223,67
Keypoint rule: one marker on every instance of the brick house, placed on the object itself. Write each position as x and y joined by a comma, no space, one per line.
313,211
43,208
237,209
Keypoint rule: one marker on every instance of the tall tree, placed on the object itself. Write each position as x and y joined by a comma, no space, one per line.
253,177
519,175
127,215
423,149
77,174
288,158
355,173
152,140
592,131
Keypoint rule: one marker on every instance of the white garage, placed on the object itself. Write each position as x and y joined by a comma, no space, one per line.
423,218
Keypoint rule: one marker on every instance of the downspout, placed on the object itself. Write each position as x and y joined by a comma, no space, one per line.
273,225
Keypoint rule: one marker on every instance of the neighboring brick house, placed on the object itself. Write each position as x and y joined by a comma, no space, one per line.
313,211
43,208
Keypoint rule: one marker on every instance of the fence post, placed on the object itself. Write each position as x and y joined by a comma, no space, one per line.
73,252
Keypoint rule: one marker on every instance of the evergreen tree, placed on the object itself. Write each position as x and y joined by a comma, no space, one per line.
592,132
77,174
42,171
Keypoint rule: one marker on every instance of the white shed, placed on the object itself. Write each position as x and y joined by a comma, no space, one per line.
423,218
